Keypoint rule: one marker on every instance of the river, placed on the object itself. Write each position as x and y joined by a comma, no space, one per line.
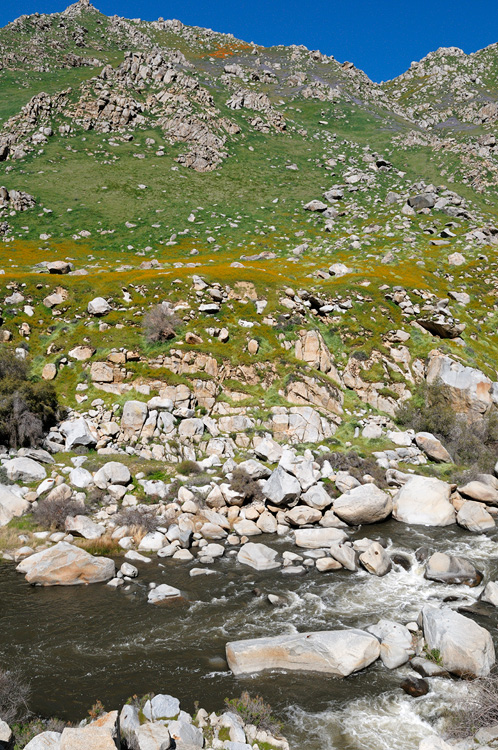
79,644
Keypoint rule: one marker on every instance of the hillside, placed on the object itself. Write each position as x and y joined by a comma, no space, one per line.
254,278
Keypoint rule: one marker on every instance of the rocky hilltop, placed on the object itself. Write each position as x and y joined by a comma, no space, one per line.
248,292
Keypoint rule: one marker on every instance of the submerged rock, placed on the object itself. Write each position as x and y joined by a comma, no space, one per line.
415,686
452,569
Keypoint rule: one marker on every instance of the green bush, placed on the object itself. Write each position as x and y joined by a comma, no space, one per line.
253,710
25,732
28,409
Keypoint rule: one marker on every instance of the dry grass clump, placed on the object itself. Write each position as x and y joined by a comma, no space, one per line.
355,465
103,546
254,710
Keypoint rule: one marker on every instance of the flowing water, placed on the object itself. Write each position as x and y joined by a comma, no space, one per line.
80,644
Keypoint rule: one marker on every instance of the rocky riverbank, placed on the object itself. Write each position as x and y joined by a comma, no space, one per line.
154,723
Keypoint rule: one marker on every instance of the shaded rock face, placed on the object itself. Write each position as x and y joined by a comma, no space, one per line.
466,649
66,565
338,653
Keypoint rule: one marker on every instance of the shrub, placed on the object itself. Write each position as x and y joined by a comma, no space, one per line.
97,710
52,514
25,732
14,696
188,467
246,486
27,409
473,443
253,710
160,324
480,708
142,518
355,465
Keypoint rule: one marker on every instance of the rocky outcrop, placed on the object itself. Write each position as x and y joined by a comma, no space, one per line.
469,391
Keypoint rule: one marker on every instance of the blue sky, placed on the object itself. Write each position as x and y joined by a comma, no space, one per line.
382,37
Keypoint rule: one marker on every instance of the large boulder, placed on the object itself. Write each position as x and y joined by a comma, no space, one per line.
133,418
101,734
474,517
24,470
470,392
6,736
344,554
258,556
11,505
113,472
376,560
480,491
44,741
161,707
364,504
465,648
424,501
153,736
317,497
281,487
316,538
82,526
396,644
339,652
66,565
451,569
186,734
432,447
490,593
129,724
78,432
98,306
163,593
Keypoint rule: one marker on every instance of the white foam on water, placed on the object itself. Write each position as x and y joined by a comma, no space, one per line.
390,721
